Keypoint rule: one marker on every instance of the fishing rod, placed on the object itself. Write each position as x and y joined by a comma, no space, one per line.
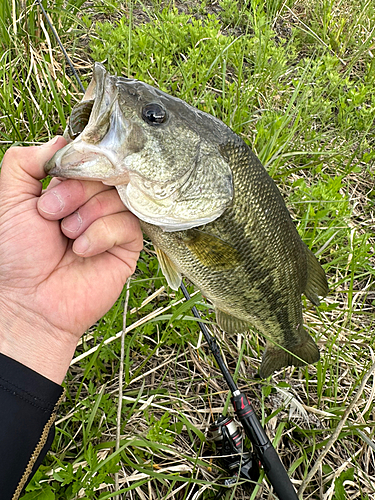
61,46
263,448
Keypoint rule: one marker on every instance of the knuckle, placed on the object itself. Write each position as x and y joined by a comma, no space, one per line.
132,231
77,186
12,154
132,264
104,227
98,205
120,229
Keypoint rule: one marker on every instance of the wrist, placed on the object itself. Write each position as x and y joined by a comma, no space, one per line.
32,341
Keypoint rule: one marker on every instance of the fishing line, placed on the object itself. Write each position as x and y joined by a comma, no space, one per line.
226,432
61,46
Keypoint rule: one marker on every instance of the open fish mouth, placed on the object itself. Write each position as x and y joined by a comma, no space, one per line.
81,112
130,135
92,134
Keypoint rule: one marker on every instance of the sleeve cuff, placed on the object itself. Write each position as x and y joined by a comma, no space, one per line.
28,407
28,384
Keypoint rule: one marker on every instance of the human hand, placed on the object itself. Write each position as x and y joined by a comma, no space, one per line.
52,285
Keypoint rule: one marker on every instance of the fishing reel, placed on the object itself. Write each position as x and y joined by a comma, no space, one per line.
234,457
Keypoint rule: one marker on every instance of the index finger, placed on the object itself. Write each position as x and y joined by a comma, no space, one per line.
67,196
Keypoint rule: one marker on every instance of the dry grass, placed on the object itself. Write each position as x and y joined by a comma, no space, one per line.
168,369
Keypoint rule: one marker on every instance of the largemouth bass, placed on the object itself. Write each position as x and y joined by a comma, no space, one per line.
207,203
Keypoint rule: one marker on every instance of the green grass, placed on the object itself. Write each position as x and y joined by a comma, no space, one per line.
296,80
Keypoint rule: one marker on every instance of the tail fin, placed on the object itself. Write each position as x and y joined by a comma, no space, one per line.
275,357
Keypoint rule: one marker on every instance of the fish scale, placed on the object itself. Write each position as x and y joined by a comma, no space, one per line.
208,205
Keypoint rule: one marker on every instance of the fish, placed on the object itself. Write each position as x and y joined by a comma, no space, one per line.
208,205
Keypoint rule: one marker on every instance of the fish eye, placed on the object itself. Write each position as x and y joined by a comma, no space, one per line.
154,114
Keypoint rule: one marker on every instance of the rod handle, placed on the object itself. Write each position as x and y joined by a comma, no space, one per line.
277,475
273,467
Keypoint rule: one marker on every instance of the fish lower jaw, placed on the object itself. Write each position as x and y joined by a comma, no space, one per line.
79,160
85,150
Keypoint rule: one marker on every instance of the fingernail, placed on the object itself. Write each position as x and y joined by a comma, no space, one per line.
50,142
72,223
51,203
81,245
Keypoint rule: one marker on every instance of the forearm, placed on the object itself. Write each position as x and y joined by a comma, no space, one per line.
34,358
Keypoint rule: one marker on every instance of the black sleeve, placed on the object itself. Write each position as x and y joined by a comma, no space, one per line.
28,404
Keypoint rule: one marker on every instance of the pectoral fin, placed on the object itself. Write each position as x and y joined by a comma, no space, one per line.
316,279
229,323
274,358
211,251
169,269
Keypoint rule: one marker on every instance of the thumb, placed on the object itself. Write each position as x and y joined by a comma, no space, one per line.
23,167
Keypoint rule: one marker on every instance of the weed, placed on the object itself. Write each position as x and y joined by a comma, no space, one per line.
295,79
